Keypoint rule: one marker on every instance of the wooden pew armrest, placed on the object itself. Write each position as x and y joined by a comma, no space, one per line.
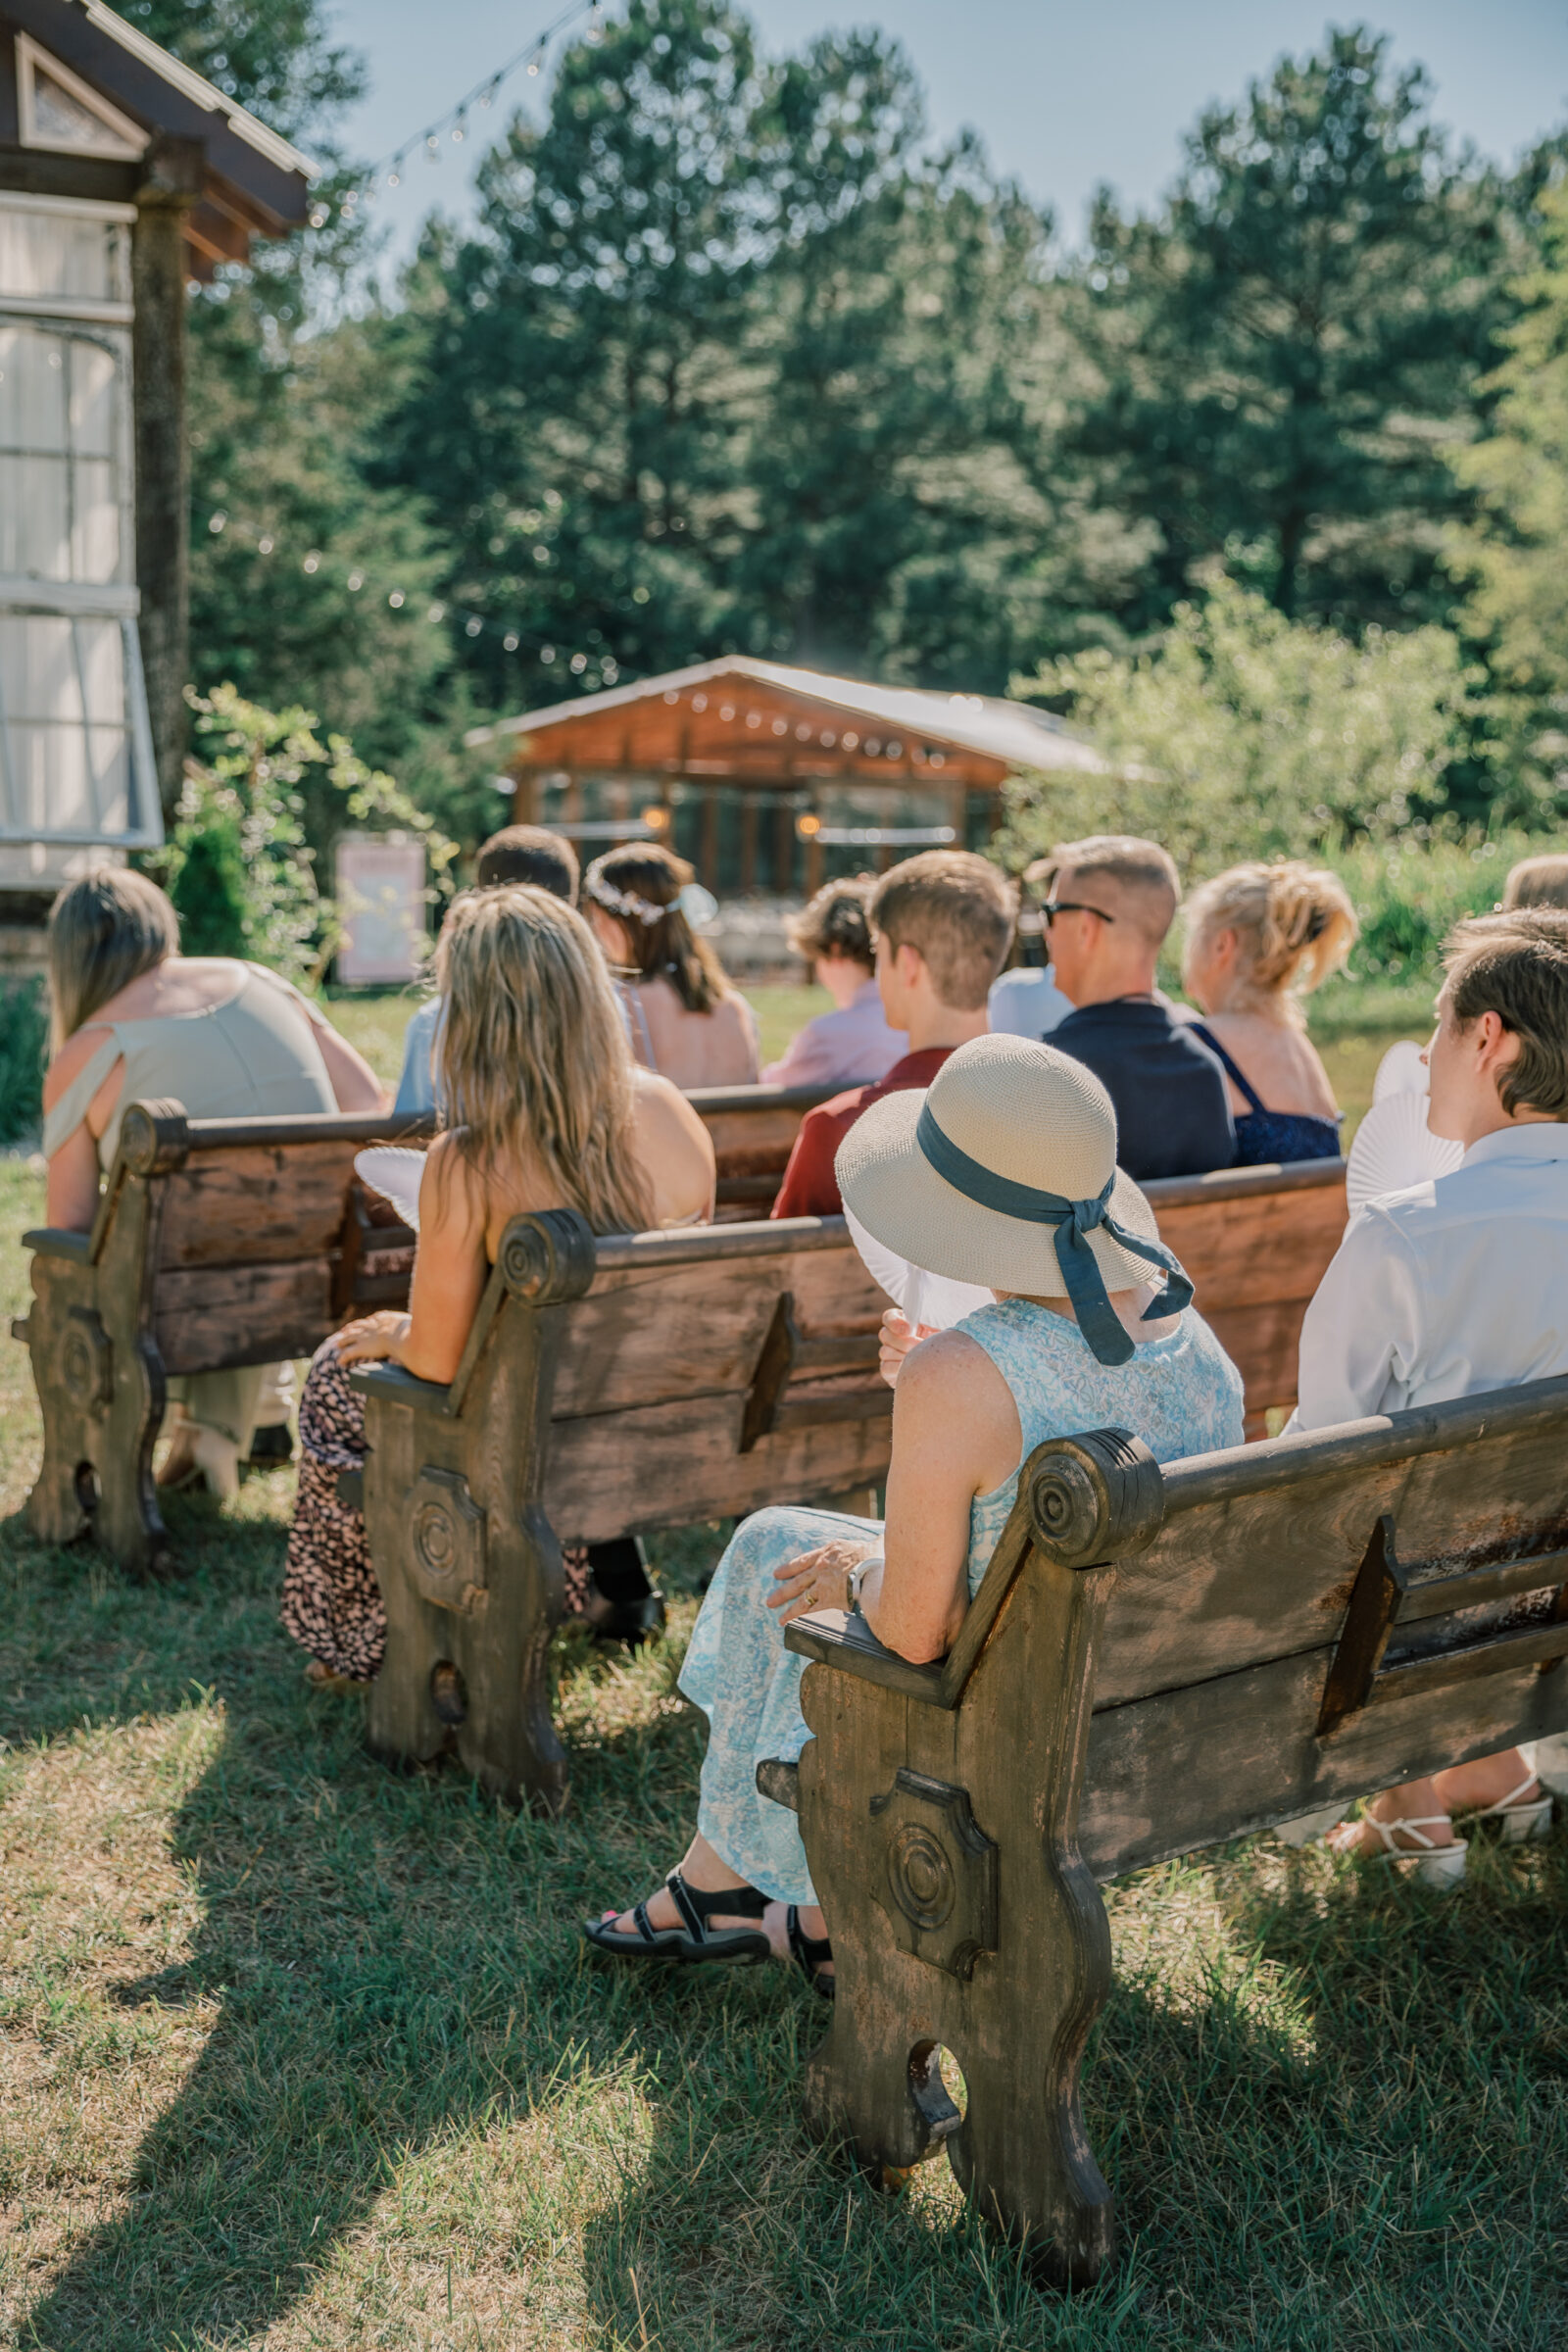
394,1386
831,1638
49,1241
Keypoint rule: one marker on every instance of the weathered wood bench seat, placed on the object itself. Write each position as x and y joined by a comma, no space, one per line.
218,1243
610,1387
1256,1242
1155,1660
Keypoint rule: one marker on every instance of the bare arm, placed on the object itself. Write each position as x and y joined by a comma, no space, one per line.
354,1085
956,1435
71,1192
450,1271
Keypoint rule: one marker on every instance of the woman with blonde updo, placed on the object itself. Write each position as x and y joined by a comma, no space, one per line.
545,1109
1259,938
687,1020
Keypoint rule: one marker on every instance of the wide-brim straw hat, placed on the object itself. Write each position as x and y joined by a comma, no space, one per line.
1024,1112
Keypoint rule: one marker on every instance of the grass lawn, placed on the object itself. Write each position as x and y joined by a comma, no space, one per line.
297,2052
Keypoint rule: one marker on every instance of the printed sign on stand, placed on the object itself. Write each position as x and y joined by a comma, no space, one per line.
381,903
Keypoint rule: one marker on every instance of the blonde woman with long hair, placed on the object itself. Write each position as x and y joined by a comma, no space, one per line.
1260,938
545,1110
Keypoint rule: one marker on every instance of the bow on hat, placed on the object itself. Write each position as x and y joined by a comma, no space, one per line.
1074,1221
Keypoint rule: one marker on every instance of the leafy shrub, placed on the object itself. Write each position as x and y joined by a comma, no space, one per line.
24,1049
1243,734
239,867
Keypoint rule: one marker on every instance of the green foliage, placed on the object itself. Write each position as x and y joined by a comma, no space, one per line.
24,1049
1285,347
274,56
270,799
731,360
1247,735
1514,550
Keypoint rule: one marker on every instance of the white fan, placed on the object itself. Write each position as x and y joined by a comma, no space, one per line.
935,1300
395,1172
1394,1149
1401,1071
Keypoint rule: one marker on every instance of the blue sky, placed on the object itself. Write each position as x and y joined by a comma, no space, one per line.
1065,93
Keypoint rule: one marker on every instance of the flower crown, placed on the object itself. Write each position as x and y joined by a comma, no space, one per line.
696,903
626,902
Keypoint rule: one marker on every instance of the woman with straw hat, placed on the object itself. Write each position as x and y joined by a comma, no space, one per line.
1003,1173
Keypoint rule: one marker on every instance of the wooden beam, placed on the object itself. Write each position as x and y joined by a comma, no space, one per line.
171,184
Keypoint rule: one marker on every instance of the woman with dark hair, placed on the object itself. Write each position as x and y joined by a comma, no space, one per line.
688,1021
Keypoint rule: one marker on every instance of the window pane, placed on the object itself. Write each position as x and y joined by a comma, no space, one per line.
92,398
101,651
32,388
95,541
34,505
38,667
63,255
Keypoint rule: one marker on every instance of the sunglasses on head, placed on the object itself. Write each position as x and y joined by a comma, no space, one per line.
1051,908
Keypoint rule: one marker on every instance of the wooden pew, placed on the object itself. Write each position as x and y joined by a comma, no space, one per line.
1157,1660
610,1386
754,1130
218,1243
1256,1242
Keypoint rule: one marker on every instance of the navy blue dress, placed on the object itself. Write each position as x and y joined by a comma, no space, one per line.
1263,1137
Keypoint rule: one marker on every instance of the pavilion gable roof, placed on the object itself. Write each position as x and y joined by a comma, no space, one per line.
1011,735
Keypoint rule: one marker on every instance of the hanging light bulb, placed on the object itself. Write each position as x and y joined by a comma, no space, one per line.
596,25
394,179
459,130
432,147
509,643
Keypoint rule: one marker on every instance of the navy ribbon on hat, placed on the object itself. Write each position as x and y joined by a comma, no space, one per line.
1074,1221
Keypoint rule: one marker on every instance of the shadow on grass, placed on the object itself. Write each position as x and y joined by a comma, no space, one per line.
394,1961
1345,2129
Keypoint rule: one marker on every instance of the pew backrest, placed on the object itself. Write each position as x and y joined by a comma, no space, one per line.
1256,1242
216,1244
754,1130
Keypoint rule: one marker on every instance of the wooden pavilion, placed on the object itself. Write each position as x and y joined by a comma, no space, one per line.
775,779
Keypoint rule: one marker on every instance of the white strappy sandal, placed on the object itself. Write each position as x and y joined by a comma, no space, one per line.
1427,1862
1519,1825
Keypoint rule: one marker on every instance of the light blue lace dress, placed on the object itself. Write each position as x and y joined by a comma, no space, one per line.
1181,1394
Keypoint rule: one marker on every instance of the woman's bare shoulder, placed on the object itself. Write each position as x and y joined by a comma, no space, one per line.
661,1109
72,1059
950,1368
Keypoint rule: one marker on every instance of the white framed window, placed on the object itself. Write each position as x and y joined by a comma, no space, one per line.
76,749
60,112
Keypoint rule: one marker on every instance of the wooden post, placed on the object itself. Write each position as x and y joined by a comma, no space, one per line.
175,170
748,844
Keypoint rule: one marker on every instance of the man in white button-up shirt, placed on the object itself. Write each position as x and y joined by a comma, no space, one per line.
1461,1284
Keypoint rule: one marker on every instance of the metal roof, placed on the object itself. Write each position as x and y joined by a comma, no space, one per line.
1014,733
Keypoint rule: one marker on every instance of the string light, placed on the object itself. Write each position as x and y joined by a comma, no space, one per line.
455,122
511,633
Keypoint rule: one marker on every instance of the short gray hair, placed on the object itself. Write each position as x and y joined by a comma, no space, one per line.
104,932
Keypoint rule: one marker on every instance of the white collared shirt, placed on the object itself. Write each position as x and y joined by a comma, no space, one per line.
1027,1003
1451,1287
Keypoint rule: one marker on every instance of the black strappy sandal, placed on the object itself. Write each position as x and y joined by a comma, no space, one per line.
692,1941
810,1953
